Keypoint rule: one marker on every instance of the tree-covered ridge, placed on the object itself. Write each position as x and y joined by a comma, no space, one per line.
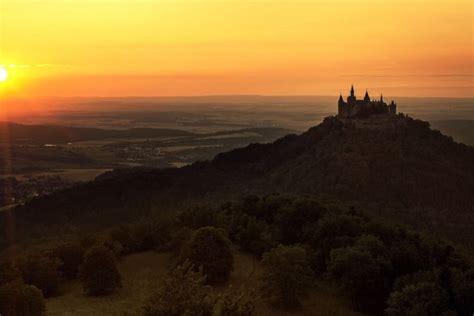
401,170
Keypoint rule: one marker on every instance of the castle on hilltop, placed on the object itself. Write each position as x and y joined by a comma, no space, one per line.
354,108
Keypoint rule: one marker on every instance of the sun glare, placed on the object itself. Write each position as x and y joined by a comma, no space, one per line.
3,74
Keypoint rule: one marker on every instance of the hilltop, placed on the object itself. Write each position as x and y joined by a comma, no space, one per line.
401,171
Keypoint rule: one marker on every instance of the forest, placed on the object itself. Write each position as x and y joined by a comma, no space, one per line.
377,215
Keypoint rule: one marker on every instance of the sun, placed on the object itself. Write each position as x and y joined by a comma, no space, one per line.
3,74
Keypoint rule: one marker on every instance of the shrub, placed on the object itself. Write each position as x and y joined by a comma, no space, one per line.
41,271
150,235
360,275
210,249
464,292
16,298
8,272
251,236
98,272
179,238
70,256
418,299
235,303
287,275
123,236
183,292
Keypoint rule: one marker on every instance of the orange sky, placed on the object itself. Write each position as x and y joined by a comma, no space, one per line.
202,47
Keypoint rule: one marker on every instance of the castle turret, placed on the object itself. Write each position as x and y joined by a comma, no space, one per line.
352,98
366,97
381,98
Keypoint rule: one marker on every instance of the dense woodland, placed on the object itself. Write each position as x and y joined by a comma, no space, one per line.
301,242
381,212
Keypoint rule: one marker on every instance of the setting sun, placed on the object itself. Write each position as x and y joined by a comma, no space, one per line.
3,74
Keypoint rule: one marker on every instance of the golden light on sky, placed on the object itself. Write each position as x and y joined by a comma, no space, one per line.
3,74
202,47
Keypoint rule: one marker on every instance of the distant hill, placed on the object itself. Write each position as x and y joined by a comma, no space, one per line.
461,130
39,134
399,169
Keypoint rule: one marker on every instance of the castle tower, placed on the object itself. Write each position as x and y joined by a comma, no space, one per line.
352,98
366,97
341,100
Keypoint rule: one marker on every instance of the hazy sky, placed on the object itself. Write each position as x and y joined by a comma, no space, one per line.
197,47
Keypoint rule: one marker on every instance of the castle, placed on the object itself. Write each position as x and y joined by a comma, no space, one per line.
354,108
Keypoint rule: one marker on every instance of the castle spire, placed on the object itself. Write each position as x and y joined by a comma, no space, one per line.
381,98
352,90
366,97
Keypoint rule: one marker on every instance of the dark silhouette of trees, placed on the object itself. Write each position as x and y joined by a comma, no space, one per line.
183,292
98,272
235,302
287,275
41,271
16,298
210,249
70,256
418,299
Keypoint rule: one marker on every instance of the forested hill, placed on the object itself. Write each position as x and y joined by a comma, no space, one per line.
399,169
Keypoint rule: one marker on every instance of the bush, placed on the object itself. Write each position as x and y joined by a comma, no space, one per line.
98,272
464,292
418,299
41,271
235,303
287,275
179,238
8,272
150,235
123,236
183,292
16,298
210,249
361,275
70,256
251,236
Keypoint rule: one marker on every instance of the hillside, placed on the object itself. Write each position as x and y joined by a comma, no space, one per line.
400,170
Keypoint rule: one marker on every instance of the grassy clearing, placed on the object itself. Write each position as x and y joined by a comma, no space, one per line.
141,272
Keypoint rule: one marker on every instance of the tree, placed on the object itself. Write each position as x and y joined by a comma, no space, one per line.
210,249
98,272
70,256
361,275
287,275
464,292
235,303
421,299
183,292
8,272
16,298
41,271
251,236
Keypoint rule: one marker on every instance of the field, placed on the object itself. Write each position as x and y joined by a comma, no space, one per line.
141,272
